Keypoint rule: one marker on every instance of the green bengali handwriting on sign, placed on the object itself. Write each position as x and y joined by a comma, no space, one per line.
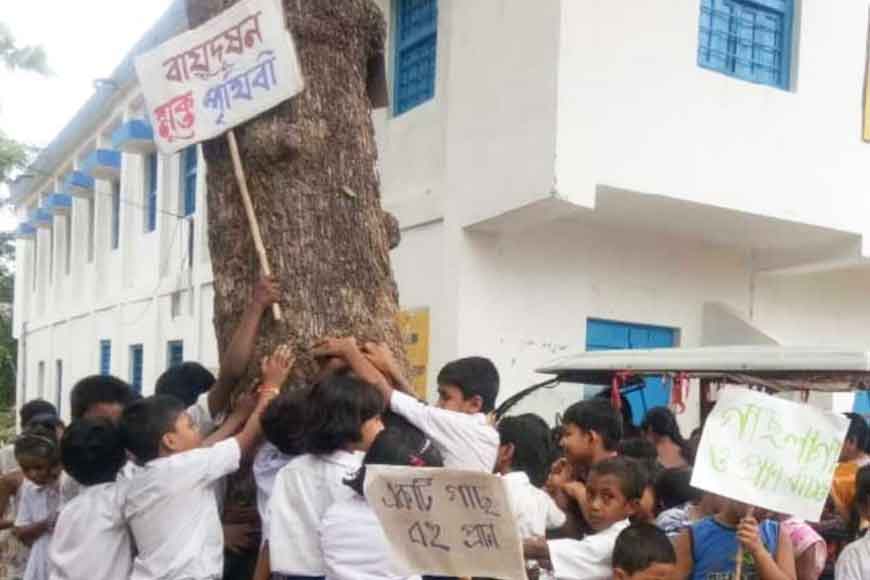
769,452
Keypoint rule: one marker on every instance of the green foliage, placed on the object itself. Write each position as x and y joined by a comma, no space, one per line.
15,57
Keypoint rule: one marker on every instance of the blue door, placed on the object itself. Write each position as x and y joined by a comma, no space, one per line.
607,335
862,403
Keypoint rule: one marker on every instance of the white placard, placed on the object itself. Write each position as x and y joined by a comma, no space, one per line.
206,81
446,521
769,452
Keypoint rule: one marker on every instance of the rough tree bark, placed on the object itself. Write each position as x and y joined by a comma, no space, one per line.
311,168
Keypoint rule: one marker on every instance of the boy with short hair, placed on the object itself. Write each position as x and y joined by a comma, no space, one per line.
613,492
170,501
643,552
100,396
91,540
458,424
591,433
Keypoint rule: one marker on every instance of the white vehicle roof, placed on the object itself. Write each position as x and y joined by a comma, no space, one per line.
776,367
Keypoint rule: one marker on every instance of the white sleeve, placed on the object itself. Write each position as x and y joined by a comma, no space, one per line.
849,567
587,558
201,415
24,515
205,465
447,429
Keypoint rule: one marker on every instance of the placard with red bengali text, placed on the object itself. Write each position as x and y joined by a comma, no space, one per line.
204,82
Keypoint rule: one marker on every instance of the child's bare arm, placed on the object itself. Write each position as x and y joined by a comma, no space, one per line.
780,568
264,565
234,362
383,360
348,349
536,549
250,436
29,534
9,485
685,561
235,421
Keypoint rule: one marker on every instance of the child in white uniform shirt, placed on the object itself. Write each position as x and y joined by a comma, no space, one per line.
170,501
353,542
38,454
854,561
524,458
91,540
457,425
613,491
343,419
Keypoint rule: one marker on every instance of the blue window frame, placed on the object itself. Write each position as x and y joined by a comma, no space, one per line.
116,214
188,177
151,192
174,353
609,335
416,26
105,357
136,357
747,39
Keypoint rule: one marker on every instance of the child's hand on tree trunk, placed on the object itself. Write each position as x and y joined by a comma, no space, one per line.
275,369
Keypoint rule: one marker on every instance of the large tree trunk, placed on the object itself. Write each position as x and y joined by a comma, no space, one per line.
311,170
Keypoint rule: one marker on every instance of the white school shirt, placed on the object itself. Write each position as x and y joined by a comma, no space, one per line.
354,545
200,414
534,510
304,490
172,512
37,504
91,540
465,441
586,559
267,463
854,561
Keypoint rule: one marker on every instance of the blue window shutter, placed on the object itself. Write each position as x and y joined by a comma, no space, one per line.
175,353
609,335
189,179
151,201
747,39
416,34
136,359
105,357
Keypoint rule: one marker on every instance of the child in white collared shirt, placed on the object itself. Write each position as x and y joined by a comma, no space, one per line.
524,458
37,452
170,501
91,540
345,418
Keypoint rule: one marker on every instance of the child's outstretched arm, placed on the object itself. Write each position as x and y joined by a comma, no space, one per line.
9,486
234,362
29,534
273,373
383,360
348,349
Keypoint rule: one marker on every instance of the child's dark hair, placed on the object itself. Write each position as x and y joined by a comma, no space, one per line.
92,451
97,389
631,481
45,420
31,409
599,416
638,448
145,422
38,442
674,488
283,421
474,376
648,471
393,447
337,408
640,546
533,448
858,431
661,421
629,430
186,382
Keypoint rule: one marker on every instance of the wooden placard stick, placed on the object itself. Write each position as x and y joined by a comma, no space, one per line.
249,210
738,565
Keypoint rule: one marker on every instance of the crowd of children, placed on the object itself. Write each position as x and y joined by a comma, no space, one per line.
136,488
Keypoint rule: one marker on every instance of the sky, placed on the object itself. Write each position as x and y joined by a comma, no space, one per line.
84,40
